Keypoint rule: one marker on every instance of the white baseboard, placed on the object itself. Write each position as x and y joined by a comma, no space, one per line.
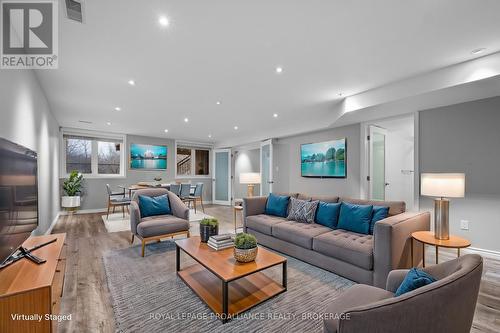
86,211
483,252
54,221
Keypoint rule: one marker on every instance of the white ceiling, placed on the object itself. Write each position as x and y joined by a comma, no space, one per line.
227,50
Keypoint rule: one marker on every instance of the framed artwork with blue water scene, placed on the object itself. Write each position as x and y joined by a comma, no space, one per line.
324,159
148,157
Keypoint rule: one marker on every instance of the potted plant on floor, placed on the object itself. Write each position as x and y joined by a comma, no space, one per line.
72,187
208,227
245,247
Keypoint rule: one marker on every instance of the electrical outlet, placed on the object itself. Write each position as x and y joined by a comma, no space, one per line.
464,224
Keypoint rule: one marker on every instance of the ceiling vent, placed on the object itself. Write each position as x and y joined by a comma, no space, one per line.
74,10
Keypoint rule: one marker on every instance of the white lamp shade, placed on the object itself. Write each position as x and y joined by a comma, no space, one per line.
450,185
249,178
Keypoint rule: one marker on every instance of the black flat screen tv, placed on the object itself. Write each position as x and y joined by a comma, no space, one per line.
18,196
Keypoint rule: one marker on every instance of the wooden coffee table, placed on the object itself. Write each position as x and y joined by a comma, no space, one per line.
225,285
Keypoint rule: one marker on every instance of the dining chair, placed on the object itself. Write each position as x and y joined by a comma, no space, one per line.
198,196
175,189
185,190
117,199
185,194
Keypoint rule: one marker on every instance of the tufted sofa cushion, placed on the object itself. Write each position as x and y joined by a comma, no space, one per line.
300,234
263,223
348,246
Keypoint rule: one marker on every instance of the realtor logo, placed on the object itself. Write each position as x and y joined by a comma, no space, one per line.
29,34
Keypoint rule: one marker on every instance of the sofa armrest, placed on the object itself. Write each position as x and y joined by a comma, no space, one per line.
135,216
179,208
394,279
392,239
254,206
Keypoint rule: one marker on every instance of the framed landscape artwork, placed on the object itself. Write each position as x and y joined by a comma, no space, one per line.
324,159
148,157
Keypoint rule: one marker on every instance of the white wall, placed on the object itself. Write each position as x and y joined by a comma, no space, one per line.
400,153
466,138
95,196
245,160
26,119
287,169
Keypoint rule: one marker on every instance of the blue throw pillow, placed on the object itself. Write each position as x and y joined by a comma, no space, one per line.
415,278
151,206
328,214
277,205
379,213
356,218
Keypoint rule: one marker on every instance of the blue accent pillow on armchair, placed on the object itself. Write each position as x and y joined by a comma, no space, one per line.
414,279
379,213
328,214
277,205
151,206
356,218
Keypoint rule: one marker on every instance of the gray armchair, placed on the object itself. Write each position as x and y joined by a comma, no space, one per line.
160,226
446,305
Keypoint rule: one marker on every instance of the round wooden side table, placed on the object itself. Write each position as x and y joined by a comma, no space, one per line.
237,209
427,237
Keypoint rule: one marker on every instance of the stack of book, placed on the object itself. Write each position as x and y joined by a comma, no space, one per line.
220,242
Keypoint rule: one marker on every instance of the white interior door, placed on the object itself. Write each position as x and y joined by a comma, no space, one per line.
221,181
266,167
377,177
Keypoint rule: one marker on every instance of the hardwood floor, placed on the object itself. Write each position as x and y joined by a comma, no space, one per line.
86,294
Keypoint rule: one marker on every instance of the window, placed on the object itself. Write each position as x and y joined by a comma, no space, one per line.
183,162
108,158
93,156
78,155
192,162
201,158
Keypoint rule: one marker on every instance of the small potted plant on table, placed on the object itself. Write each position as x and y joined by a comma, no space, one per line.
208,227
72,187
245,247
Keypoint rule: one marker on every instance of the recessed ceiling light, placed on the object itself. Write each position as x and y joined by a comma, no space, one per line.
275,115
165,130
279,70
218,102
108,123
163,20
235,128
131,82
478,51
186,120
210,135
118,108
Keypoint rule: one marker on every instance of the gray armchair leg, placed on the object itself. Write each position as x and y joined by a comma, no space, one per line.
132,240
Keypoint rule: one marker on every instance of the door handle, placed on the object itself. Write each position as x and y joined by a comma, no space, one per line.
387,184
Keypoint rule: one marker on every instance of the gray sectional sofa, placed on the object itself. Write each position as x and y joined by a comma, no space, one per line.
362,258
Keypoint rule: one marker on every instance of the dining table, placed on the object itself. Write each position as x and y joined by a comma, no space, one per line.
143,185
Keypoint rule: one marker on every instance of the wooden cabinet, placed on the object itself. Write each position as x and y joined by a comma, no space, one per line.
31,293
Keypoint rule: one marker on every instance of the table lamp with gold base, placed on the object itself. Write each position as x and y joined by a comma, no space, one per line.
442,186
251,179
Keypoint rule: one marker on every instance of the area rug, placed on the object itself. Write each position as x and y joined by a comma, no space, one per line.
116,222
147,296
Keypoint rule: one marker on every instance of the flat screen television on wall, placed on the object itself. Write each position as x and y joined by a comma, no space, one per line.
324,159
18,196
148,157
